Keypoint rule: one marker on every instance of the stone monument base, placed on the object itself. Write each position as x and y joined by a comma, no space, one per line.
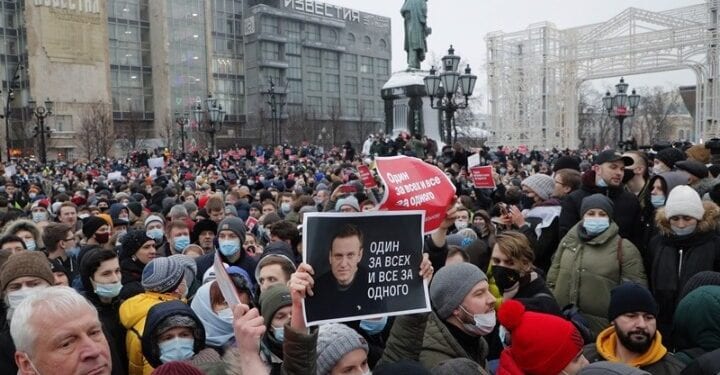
407,107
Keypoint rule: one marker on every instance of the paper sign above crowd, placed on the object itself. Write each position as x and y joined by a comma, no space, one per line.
366,177
482,177
412,184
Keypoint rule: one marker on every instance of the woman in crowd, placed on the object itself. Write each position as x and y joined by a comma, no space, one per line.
687,243
591,260
658,187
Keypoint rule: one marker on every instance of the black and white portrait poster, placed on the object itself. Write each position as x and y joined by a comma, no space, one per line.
367,265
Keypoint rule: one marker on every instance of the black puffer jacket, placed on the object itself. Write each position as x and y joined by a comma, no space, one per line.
672,260
627,208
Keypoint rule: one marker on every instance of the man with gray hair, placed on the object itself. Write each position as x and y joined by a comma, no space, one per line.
67,346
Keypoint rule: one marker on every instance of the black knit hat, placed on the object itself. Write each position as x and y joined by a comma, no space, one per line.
133,241
631,297
670,156
700,279
135,208
91,225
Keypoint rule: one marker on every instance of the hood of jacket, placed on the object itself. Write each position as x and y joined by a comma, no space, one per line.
708,223
697,320
672,179
115,209
156,316
610,368
134,310
606,344
24,224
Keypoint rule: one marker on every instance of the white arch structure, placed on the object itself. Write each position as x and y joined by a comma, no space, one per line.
534,75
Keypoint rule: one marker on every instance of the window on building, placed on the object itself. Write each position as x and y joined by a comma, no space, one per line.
63,123
381,66
350,63
293,48
270,25
313,105
366,64
350,39
330,60
312,57
270,51
332,83
270,73
294,90
383,44
367,109
367,42
292,30
334,110
314,81
312,32
351,107
351,85
294,70
366,85
329,35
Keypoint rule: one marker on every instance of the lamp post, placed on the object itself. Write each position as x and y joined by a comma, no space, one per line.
444,86
182,121
276,102
214,116
10,98
41,112
621,105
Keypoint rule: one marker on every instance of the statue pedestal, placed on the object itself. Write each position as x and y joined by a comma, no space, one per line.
407,107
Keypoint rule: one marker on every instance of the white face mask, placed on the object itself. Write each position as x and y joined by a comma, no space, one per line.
461,224
484,323
226,315
14,298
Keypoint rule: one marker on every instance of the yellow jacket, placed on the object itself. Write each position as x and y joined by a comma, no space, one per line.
133,313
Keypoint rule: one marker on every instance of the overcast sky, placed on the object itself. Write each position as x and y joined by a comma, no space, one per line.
464,23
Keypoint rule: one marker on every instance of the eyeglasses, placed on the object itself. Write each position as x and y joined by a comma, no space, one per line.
69,239
559,183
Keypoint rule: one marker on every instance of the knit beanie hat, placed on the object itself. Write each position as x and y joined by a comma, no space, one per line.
350,200
162,275
108,220
451,284
532,349
631,297
541,184
91,225
333,342
567,161
670,156
275,251
703,278
234,225
684,200
272,300
152,218
177,368
25,263
402,367
611,368
135,208
132,241
597,201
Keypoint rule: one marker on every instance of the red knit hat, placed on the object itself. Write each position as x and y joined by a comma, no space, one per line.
203,201
177,368
541,344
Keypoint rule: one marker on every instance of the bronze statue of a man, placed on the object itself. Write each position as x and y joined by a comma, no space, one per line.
416,31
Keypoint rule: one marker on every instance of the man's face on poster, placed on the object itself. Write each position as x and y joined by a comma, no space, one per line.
345,255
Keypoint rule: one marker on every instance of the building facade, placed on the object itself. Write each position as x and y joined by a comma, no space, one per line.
146,62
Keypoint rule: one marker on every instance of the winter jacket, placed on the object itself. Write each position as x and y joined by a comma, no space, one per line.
627,208
114,331
672,260
649,230
705,364
427,339
133,314
697,324
544,220
656,360
131,271
300,353
584,271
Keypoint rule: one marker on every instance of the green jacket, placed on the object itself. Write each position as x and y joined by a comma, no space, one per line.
425,338
583,273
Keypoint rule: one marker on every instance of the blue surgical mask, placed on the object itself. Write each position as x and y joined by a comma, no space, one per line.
111,290
226,315
657,200
596,225
229,247
39,216
181,243
73,252
30,244
279,333
156,234
177,349
683,231
373,326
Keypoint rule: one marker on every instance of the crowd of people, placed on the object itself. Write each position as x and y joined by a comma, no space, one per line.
577,262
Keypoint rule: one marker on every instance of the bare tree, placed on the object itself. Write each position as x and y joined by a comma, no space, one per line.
97,133
656,104
167,132
130,132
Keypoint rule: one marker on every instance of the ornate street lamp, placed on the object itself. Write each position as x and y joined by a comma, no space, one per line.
214,116
182,120
41,113
621,105
444,86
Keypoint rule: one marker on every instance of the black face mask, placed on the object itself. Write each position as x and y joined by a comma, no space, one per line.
505,278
